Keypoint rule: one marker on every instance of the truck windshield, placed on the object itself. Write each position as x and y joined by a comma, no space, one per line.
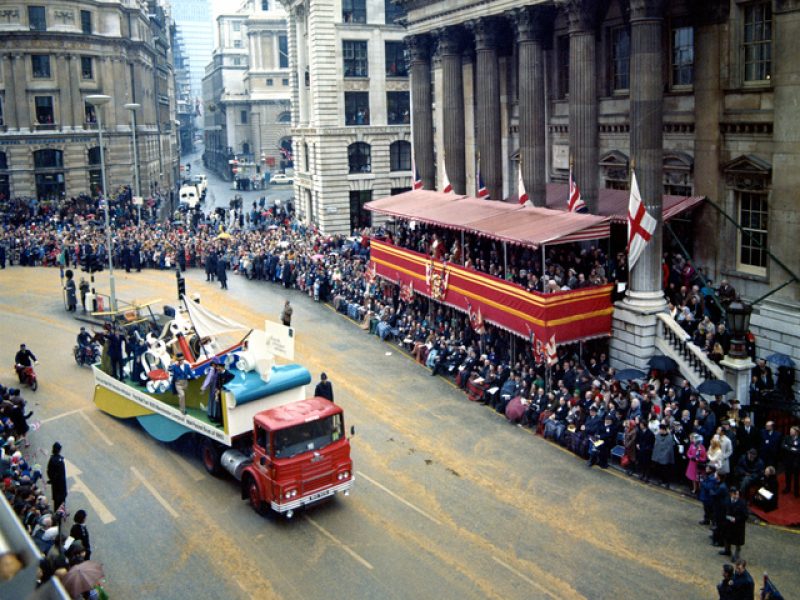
313,435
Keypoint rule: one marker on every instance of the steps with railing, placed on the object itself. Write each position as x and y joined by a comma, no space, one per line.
673,341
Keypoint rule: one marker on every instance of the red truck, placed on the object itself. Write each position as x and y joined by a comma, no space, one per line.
300,455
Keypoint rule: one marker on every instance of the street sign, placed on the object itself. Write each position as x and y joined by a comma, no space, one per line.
138,200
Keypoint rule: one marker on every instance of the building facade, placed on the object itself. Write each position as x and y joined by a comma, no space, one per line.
51,58
196,28
247,92
350,108
701,96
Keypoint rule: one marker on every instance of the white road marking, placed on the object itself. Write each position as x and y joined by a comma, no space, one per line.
80,487
97,430
97,505
339,543
399,499
193,472
155,493
526,579
62,415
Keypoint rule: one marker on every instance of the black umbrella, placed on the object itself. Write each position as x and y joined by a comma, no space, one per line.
628,374
663,363
714,387
781,360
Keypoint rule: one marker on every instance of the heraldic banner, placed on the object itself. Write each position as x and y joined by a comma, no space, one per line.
570,316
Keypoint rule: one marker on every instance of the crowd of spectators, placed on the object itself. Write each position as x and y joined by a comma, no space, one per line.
62,544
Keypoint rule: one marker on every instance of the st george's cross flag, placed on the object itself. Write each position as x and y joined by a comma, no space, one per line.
417,179
574,203
640,224
447,187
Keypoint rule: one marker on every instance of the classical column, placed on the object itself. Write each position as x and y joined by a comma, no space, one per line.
583,136
65,92
453,107
487,114
422,108
533,26
647,138
25,116
78,113
10,107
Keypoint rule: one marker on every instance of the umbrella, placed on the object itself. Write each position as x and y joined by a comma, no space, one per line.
82,577
663,363
714,387
781,360
628,374
224,236
515,409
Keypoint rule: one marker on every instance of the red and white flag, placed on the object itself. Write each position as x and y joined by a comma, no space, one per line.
417,179
551,351
574,203
523,195
447,187
482,191
640,224
475,319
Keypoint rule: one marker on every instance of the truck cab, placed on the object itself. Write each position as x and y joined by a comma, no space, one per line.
301,455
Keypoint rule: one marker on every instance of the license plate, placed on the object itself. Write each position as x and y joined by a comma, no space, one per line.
318,495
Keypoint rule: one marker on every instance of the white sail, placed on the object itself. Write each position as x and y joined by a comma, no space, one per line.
207,324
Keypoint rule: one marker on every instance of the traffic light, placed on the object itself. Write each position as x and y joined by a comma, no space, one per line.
181,285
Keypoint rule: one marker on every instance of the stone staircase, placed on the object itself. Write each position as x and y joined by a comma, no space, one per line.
673,341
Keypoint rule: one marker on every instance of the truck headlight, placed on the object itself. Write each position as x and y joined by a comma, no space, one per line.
343,475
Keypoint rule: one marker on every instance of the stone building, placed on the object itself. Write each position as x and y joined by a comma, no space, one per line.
247,91
350,108
701,95
51,57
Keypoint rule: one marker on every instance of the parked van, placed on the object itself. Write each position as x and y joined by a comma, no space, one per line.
189,196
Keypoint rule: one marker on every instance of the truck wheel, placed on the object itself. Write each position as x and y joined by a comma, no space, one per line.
211,455
254,496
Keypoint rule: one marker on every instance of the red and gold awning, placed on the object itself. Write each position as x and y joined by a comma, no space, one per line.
569,316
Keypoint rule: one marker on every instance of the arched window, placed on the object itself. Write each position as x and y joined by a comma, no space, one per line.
94,155
285,117
48,159
400,156
359,158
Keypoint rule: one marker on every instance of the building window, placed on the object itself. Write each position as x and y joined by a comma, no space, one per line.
393,12
359,158
614,166
397,108
86,21
2,122
269,82
306,158
285,117
243,117
753,215
758,41
5,186
87,71
89,114
398,191
3,161
396,63
237,26
48,159
359,216
563,66
237,61
40,64
620,58
283,52
682,56
37,18
354,11
356,108
237,43
400,156
44,109
264,4
93,155
356,63
285,82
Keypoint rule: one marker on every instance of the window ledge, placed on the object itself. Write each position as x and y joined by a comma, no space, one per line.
746,275
360,176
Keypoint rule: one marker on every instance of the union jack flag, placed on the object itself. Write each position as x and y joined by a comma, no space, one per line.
482,191
574,203
417,179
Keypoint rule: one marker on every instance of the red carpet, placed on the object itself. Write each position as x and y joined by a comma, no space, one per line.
787,513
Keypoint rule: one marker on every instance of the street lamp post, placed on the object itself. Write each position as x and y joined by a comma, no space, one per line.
133,107
98,100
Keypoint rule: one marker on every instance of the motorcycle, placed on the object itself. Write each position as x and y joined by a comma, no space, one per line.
27,376
86,356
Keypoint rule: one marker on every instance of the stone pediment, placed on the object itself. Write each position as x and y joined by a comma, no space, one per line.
614,158
678,161
748,164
